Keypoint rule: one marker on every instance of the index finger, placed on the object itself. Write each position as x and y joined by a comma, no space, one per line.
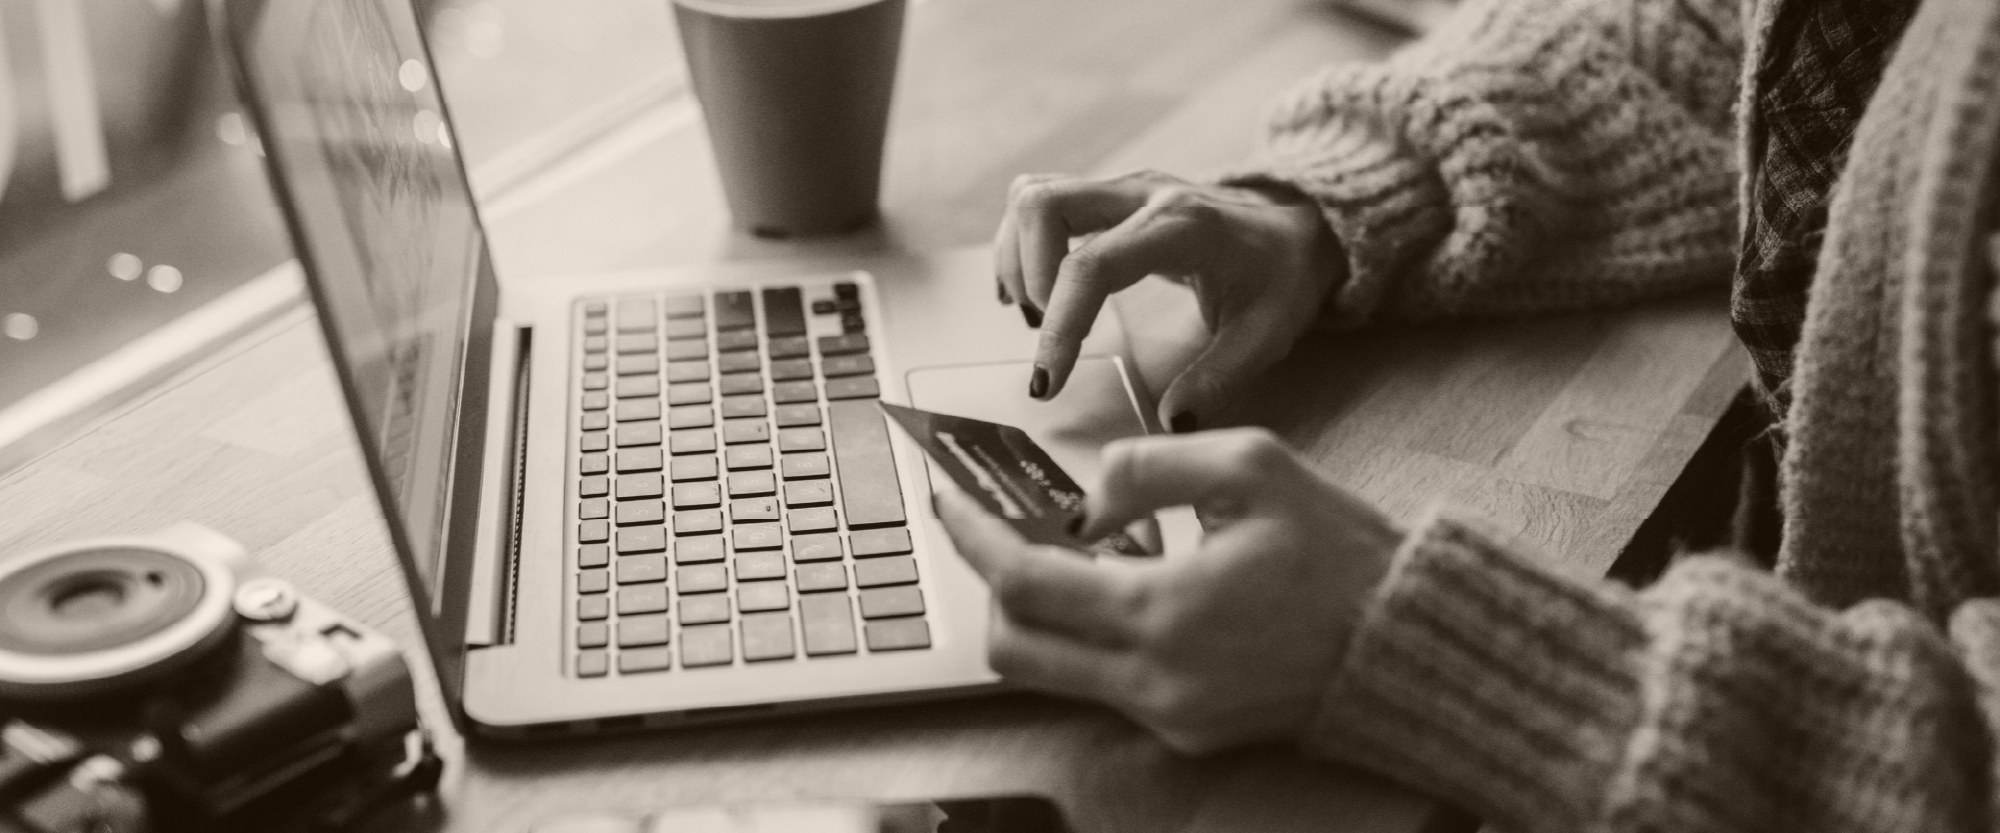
1042,585
1111,261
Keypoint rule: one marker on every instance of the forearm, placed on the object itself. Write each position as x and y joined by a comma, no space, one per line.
1717,700
1527,157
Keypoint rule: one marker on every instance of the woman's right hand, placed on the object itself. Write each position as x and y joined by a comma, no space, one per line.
1260,261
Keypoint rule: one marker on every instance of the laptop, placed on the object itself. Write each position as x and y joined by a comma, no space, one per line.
635,500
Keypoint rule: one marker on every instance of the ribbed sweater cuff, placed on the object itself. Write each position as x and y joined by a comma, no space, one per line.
1483,679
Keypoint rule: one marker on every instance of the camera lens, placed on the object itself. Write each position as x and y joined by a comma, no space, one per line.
95,619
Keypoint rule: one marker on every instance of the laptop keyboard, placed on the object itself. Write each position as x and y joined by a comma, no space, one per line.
736,498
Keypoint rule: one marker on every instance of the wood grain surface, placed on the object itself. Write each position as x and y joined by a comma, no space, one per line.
1565,430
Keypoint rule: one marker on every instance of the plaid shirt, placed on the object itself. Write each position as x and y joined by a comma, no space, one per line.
1822,61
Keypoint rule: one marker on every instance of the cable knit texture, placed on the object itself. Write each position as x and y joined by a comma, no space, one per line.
1541,154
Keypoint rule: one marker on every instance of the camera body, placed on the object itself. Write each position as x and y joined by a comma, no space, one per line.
162,683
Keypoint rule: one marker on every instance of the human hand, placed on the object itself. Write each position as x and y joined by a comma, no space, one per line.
1260,261
1234,643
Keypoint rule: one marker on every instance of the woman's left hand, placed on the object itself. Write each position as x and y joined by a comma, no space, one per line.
1235,643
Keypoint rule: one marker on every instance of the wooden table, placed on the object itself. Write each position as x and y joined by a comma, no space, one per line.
1566,430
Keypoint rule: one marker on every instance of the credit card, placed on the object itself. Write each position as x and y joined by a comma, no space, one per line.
1010,475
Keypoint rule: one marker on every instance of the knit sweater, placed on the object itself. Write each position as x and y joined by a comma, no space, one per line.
1547,154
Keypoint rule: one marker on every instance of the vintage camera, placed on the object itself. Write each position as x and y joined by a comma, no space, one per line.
160,684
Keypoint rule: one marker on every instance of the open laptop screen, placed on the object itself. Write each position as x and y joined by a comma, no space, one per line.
380,207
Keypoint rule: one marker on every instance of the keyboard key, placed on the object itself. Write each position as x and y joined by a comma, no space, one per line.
639,631
705,609
639,459
869,492
592,556
828,624
747,405
790,347
738,362
643,660
593,635
596,381
687,350
595,344
801,439
734,340
593,581
800,493
755,596
834,366
645,433
595,421
641,569
734,311
891,601
853,322
686,328
853,387
593,464
633,410
593,608
697,495
701,578
637,343
707,645
843,344
593,509
593,664
752,509
683,306
593,532
635,314
596,401
700,550
638,363
595,308
755,566
806,464
635,486
787,370
882,572
596,361
819,519
642,539
788,392
697,522
737,431
807,548
690,393
752,484
631,386
873,542
594,326
748,537
784,312
645,598
846,291
898,634
595,441
742,457
678,372
796,415
692,441
690,416
637,512
767,636
594,486
694,467
821,576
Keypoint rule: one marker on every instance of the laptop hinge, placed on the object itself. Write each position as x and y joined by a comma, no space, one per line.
490,606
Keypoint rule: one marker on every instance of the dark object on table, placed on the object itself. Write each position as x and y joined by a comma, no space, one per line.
161,684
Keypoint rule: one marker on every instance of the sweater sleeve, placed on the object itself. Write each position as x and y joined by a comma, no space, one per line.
1529,155
1716,700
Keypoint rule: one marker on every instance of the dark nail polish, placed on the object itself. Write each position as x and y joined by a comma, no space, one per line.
1038,382
1005,298
1031,315
1182,423
1077,524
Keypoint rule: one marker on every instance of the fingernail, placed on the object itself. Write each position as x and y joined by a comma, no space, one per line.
1182,423
1005,298
1077,524
1038,382
1031,315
